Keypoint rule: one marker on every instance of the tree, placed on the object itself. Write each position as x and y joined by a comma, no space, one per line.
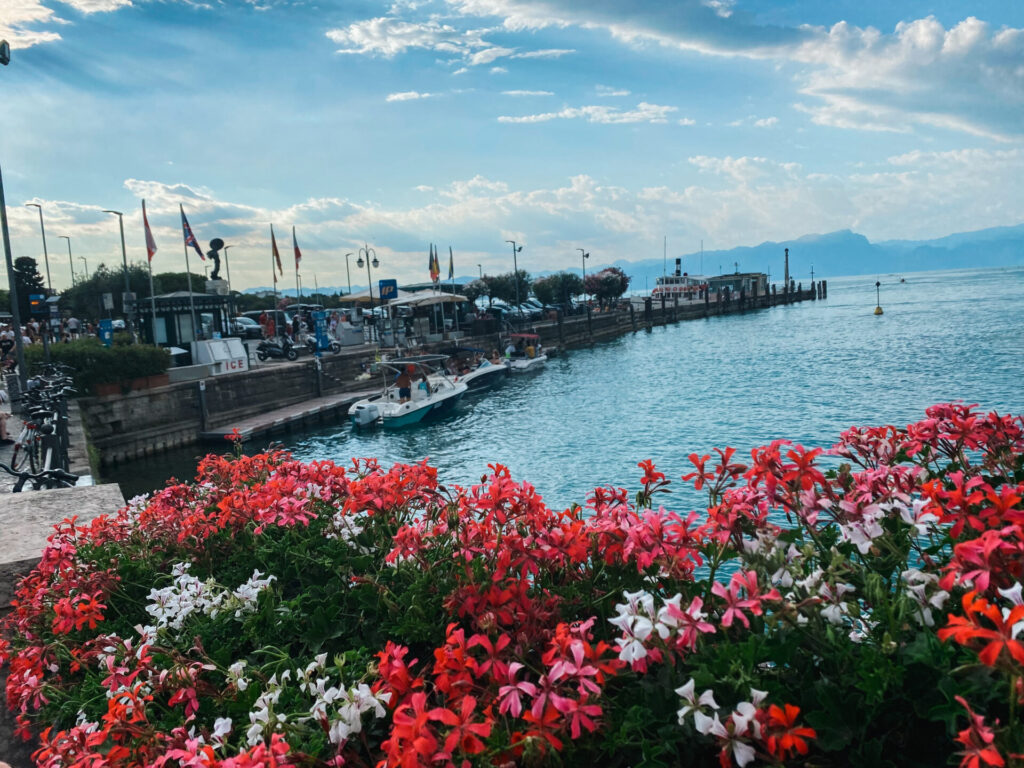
558,288
474,290
27,280
607,285
504,286
85,299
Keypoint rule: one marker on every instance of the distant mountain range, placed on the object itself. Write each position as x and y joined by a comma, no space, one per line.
830,255
847,253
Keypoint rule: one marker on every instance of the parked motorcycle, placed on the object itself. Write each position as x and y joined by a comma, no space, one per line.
284,348
334,346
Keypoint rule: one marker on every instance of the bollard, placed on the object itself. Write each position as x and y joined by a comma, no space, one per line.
203,416
824,289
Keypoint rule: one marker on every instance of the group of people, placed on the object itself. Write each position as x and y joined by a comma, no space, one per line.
522,348
301,324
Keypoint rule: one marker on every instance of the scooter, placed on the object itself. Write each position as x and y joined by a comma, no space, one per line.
334,346
268,349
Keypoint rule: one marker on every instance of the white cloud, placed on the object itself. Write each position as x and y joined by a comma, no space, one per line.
498,71
21,20
766,122
544,53
967,78
607,90
644,113
727,201
408,96
386,36
686,121
528,93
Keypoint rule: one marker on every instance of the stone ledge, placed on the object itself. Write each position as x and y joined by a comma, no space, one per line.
27,519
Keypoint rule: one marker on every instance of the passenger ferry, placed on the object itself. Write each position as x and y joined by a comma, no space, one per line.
681,285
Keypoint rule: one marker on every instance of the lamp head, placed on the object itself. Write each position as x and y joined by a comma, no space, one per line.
5,52
586,255
116,213
360,262
520,248
375,262
34,205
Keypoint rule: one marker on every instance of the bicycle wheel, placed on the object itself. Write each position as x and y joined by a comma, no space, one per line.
37,453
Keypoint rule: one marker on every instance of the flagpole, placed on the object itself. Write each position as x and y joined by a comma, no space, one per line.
437,283
188,273
451,272
298,296
149,263
273,272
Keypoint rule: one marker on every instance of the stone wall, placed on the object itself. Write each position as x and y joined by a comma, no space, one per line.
125,427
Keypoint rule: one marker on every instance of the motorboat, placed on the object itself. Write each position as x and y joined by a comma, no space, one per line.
530,358
432,394
484,376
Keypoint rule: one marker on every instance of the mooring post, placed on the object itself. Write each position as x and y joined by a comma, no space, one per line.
824,289
632,315
202,405
318,367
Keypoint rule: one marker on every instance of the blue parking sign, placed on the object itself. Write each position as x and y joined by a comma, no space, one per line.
388,290
107,331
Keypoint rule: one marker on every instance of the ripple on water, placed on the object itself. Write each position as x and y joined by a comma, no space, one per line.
803,372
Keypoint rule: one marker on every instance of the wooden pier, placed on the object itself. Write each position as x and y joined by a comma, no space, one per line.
291,417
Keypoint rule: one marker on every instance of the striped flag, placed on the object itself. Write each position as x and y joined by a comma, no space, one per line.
190,238
273,248
451,264
150,242
298,253
435,269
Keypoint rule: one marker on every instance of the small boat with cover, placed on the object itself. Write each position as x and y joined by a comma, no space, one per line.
431,393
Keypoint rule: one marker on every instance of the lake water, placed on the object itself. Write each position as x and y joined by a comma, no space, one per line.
803,372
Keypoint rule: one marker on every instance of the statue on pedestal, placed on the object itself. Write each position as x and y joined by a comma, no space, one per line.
214,255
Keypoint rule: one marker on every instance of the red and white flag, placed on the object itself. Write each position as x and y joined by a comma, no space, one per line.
298,253
150,242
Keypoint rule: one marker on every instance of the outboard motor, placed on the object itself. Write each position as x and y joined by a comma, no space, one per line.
364,414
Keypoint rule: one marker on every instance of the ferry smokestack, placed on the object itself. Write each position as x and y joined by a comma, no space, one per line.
679,267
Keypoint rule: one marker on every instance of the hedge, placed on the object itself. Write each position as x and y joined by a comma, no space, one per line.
91,363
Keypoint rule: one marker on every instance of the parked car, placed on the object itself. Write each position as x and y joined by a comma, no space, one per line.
246,328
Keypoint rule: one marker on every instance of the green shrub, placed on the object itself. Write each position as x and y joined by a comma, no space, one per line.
91,363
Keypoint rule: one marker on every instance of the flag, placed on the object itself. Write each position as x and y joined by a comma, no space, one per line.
150,242
298,253
451,264
273,248
190,239
435,269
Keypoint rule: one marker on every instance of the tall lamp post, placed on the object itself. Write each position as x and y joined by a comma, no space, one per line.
366,251
71,262
124,260
348,273
583,259
19,348
481,268
46,255
85,262
515,268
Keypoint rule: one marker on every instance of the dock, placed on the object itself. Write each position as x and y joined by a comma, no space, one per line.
297,416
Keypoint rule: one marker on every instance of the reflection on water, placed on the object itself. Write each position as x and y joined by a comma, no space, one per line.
803,372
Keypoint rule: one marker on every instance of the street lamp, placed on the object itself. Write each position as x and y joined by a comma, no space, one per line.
584,261
71,263
86,263
515,268
124,260
348,273
366,251
46,256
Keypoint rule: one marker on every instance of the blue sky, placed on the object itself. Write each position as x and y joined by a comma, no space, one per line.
560,124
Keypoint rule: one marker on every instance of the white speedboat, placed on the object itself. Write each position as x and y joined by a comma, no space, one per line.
484,376
530,358
432,394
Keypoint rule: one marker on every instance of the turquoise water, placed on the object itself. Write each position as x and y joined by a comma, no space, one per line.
803,372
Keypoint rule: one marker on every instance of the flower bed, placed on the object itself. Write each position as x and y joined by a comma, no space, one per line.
275,613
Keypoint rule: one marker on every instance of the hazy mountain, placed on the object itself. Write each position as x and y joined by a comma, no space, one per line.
830,255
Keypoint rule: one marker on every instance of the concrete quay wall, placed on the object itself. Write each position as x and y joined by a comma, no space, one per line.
147,422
